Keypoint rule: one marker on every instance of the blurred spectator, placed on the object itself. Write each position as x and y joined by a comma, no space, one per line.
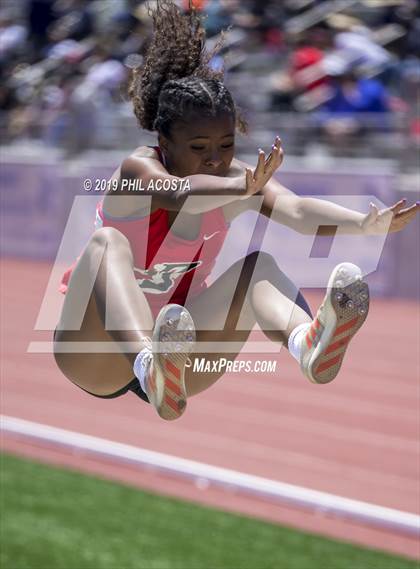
219,14
352,94
304,73
199,5
74,21
12,35
355,104
355,45
40,16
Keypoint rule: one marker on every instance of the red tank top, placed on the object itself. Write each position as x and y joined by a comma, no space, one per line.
167,267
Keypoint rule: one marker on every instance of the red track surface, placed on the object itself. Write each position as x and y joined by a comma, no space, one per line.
357,437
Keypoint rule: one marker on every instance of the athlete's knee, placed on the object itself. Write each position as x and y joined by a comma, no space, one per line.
266,259
261,257
260,262
109,236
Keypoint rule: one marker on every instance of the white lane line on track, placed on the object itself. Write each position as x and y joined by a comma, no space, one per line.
339,506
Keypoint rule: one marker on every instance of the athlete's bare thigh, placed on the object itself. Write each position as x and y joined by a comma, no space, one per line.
96,370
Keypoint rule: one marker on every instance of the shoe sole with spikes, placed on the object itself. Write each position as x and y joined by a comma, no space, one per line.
343,311
172,341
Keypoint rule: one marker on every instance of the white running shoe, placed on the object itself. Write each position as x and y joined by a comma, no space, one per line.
341,314
172,340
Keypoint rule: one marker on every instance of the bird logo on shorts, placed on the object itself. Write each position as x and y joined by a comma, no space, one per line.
162,276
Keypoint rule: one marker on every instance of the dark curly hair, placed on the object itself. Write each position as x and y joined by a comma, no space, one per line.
176,82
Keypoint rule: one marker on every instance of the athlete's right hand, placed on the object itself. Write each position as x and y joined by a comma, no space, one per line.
257,179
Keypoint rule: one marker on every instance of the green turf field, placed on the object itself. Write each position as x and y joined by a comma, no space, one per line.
56,519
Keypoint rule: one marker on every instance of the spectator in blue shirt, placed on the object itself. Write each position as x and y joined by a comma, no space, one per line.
351,94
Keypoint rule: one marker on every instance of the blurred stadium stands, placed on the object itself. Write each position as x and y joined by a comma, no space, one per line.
65,64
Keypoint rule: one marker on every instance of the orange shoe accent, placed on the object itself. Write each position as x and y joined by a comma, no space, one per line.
173,386
152,382
173,369
336,345
328,364
345,327
313,333
169,401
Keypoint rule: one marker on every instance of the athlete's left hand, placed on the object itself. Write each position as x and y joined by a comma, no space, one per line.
389,220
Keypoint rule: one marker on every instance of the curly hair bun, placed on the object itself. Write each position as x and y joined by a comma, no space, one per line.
176,77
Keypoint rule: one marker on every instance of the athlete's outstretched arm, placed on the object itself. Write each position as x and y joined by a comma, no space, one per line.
223,190
311,216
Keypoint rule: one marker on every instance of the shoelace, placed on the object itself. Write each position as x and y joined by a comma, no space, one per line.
146,359
149,356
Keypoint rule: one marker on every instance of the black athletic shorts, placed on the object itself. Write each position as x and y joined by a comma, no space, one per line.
133,386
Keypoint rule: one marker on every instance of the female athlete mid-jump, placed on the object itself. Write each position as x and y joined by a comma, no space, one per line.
149,265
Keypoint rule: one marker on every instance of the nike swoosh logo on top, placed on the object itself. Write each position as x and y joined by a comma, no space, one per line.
207,237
